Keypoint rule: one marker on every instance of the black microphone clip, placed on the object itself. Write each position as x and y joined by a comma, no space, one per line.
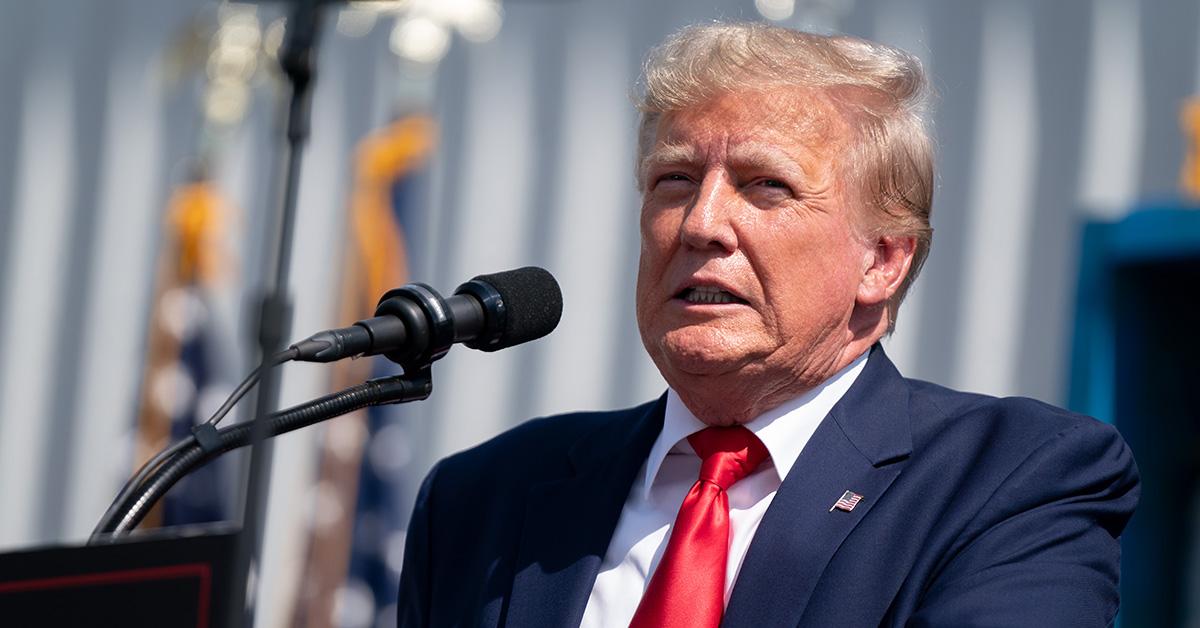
426,324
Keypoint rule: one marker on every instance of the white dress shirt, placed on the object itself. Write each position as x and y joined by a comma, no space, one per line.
669,473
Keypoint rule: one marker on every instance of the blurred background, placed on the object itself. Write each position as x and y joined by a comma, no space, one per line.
138,144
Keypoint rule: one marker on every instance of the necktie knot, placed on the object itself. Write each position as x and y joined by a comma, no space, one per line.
727,454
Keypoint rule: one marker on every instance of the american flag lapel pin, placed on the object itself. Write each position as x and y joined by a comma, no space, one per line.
847,502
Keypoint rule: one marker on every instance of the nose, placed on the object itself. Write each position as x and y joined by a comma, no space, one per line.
708,222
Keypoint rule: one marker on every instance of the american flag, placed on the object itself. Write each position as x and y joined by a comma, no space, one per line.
352,573
186,365
847,502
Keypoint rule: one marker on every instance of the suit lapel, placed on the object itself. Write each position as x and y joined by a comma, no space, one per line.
861,446
569,522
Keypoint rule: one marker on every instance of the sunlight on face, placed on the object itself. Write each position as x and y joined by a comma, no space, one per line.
750,260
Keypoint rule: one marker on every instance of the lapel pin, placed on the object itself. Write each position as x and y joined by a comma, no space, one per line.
847,502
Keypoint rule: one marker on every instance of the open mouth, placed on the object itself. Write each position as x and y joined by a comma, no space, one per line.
709,295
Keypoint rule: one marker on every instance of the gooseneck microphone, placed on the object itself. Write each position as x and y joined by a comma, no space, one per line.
414,325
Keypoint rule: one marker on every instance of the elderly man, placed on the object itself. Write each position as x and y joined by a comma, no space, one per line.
790,476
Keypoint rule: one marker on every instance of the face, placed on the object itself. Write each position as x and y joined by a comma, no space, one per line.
751,257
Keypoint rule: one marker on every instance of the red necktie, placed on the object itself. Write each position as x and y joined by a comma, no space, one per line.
688,588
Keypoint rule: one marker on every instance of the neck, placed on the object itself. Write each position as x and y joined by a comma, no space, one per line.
738,396
735,399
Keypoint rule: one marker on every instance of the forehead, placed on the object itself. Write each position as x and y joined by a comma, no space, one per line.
783,116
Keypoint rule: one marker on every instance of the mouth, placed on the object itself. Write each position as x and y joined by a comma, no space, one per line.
709,295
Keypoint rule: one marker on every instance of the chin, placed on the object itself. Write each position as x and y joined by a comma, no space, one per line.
715,408
701,352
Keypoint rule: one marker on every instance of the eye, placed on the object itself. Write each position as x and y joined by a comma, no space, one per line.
773,185
672,178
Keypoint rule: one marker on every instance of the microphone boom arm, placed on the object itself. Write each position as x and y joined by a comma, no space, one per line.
413,326
404,388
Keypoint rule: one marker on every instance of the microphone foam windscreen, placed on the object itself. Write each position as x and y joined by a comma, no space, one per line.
532,301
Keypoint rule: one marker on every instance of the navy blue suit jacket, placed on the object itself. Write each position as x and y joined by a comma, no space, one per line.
977,511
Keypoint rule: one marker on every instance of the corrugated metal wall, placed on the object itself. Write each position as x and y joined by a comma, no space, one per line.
1048,113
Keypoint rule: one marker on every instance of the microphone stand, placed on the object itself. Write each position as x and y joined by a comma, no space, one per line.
415,384
297,59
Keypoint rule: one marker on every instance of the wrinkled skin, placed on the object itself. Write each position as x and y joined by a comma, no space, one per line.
746,194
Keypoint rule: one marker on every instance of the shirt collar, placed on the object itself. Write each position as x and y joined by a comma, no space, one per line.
784,430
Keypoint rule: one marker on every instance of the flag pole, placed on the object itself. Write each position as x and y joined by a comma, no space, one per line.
298,60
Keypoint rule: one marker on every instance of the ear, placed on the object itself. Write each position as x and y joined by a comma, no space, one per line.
885,269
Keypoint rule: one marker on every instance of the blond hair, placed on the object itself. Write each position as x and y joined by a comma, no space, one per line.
882,90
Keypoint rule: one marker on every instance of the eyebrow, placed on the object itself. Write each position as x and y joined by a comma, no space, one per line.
752,155
667,153
763,157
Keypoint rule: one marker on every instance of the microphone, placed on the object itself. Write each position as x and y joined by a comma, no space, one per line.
414,325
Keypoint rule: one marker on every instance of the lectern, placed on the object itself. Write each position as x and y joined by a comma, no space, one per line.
169,578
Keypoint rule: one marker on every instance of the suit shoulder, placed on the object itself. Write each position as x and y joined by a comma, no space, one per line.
539,443
1007,427
1025,498
941,404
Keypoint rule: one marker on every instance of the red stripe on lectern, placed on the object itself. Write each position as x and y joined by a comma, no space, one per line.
199,570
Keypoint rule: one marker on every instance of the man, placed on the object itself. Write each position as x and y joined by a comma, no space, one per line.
790,476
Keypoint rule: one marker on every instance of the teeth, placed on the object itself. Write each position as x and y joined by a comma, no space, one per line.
708,294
